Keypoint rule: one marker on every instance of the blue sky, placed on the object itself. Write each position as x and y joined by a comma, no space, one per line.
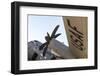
39,25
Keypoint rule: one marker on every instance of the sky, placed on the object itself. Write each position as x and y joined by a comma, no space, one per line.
39,25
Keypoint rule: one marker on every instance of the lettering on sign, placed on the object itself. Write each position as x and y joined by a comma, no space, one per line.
76,36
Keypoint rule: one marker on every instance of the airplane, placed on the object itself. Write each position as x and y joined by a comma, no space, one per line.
77,38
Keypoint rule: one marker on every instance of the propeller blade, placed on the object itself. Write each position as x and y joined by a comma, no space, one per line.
54,31
48,34
47,38
45,49
57,35
41,47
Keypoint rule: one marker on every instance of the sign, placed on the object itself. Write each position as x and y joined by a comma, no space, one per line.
76,30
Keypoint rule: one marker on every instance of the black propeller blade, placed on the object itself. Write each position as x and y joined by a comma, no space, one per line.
57,35
42,46
54,31
45,49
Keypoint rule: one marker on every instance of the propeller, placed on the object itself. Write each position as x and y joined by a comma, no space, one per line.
48,38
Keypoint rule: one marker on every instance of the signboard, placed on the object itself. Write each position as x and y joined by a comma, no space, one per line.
76,30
